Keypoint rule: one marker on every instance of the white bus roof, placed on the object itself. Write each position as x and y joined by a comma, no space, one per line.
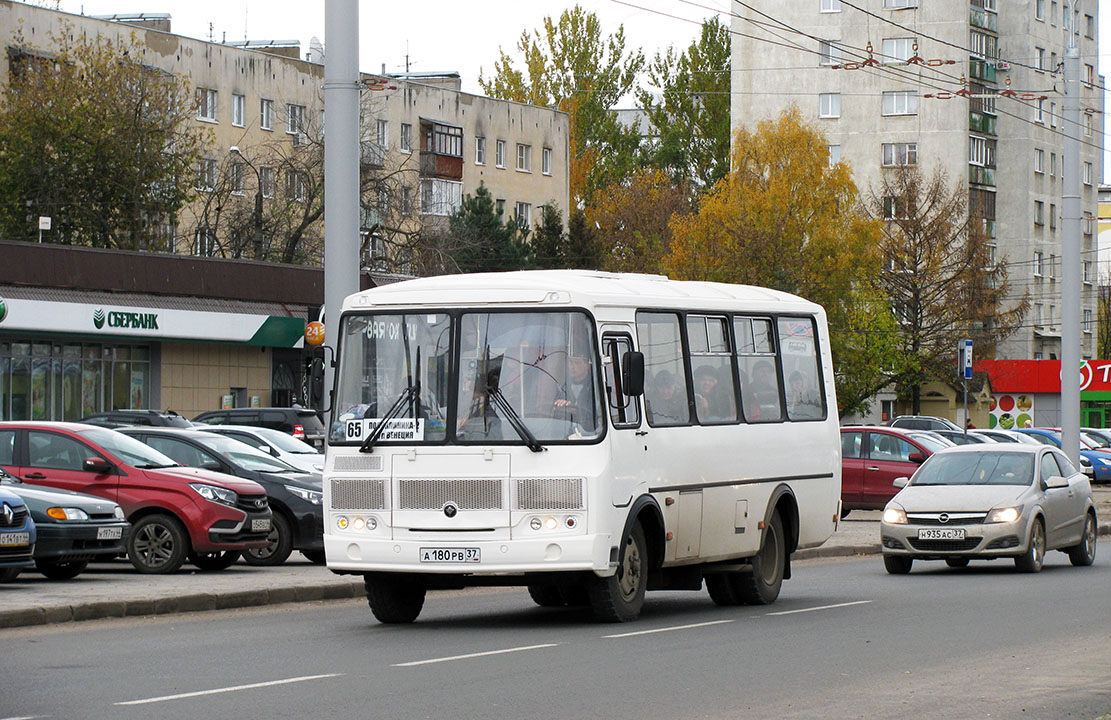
580,288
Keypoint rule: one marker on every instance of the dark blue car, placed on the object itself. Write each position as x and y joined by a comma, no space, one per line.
17,536
1100,460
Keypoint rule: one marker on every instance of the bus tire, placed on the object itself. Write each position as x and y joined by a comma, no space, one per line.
723,589
546,595
393,598
761,585
620,597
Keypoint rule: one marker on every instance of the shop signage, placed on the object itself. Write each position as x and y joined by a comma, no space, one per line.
145,321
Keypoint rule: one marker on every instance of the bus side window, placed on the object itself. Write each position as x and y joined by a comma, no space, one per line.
666,401
756,358
624,412
798,351
715,390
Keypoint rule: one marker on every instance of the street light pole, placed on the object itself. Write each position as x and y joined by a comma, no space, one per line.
257,240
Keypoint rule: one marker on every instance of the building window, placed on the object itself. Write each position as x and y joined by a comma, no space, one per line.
443,139
206,175
480,151
524,157
238,110
1088,124
206,104
1038,315
1089,75
828,52
524,215
897,50
1052,164
1087,176
294,119
546,161
1088,272
900,102
499,204
893,208
499,154
1039,10
1088,322
899,4
235,171
295,185
382,133
1039,112
440,197
983,45
834,154
1052,216
204,242
406,201
1039,58
1039,161
829,6
266,114
895,154
266,181
1039,219
981,152
406,138
1039,264
1089,27
829,105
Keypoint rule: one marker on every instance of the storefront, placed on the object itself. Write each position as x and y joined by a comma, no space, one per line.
1030,391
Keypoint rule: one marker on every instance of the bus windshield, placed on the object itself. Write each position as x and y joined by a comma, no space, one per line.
523,378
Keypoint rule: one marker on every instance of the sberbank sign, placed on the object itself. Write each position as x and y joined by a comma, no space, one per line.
118,319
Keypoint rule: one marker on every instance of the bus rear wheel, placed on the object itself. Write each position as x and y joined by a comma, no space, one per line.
761,585
619,597
393,598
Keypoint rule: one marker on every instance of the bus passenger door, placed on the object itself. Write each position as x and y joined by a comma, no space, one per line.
627,446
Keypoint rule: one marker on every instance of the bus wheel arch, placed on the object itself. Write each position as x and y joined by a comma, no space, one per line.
646,511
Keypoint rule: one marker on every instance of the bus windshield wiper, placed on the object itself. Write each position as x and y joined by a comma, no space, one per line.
410,395
493,393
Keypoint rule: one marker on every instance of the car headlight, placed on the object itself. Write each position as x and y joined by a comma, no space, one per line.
118,512
313,496
894,515
64,513
1003,515
215,494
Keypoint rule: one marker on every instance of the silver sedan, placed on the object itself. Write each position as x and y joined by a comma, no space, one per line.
982,502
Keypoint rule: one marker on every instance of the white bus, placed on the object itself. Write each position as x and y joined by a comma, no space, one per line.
585,434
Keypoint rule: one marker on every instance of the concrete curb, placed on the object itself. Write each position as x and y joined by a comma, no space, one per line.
198,602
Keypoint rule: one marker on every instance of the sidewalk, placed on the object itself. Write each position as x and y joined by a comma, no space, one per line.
115,590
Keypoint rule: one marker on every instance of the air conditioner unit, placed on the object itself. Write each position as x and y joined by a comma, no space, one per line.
1002,65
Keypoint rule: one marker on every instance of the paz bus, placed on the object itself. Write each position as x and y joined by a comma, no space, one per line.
587,435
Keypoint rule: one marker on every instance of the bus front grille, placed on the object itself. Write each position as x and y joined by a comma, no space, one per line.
549,494
464,493
358,494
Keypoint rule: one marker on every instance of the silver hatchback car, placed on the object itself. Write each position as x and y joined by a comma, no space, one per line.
982,502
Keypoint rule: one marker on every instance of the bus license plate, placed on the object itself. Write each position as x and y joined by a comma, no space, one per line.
450,555
109,533
259,524
941,534
15,538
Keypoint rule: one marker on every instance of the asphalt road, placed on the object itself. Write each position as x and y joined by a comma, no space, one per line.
845,640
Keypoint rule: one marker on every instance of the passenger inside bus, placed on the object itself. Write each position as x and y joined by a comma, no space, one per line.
578,403
665,405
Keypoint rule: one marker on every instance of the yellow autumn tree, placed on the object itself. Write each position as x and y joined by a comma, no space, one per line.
632,218
783,218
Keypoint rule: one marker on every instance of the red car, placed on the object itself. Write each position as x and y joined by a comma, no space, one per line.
871,459
176,512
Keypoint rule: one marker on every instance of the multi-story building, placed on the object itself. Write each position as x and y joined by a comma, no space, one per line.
862,71
260,181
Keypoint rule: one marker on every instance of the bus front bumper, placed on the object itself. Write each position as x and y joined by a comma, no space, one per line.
468,557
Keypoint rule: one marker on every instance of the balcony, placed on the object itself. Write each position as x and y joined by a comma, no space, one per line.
435,165
981,123
371,155
983,70
978,175
983,20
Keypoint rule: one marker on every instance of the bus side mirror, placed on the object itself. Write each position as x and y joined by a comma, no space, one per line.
632,373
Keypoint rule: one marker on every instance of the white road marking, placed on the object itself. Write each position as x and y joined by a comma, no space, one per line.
228,689
23,717
821,607
474,655
668,629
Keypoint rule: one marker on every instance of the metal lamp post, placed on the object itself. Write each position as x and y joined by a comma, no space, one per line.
257,241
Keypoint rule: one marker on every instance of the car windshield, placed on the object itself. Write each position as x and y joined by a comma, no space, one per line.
976,468
933,444
243,455
1049,438
127,449
286,442
523,378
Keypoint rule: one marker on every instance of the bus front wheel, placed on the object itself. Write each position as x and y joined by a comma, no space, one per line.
619,597
393,598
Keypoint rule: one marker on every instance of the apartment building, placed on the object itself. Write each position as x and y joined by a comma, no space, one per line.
863,71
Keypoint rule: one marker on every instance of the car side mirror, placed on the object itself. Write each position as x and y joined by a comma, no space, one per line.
916,457
211,465
97,465
632,373
900,482
1056,481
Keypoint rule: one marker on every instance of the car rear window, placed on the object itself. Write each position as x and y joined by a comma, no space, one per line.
309,421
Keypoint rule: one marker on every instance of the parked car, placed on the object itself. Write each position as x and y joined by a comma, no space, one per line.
301,423
275,443
871,459
73,528
17,536
295,497
959,437
176,513
923,422
1101,434
982,503
1099,460
1006,436
124,418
